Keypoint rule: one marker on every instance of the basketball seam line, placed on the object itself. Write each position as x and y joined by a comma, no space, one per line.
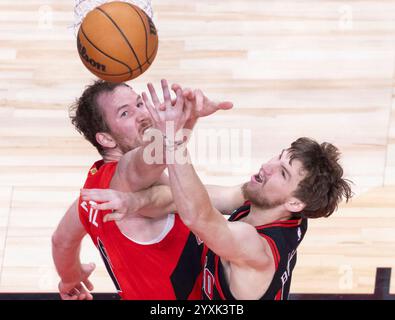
118,74
124,64
145,31
123,35
132,70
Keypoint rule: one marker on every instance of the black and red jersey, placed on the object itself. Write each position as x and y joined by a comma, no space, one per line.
283,238
168,269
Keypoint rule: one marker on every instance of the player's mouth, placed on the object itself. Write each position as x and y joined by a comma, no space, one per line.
258,178
145,128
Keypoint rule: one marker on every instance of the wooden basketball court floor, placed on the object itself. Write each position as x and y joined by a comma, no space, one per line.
323,69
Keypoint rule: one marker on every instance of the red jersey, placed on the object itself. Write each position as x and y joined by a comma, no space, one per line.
168,269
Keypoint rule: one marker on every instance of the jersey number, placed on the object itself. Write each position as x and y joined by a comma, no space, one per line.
208,283
92,213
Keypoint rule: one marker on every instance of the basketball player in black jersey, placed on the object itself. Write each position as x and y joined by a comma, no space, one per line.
253,254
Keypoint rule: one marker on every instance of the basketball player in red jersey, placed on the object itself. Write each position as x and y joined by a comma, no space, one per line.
252,255
146,258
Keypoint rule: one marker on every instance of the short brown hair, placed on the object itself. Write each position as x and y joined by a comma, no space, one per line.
86,115
323,187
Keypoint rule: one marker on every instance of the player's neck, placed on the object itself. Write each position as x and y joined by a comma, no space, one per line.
112,155
259,216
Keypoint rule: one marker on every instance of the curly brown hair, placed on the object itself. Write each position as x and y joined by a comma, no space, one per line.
323,187
86,115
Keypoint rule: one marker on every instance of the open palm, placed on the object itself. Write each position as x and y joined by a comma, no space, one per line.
167,113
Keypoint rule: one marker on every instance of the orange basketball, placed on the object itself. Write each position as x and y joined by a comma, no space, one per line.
117,41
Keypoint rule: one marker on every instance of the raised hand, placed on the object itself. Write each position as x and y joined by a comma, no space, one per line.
79,288
201,105
177,112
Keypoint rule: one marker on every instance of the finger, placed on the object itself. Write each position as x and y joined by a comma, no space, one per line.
82,296
189,94
74,293
65,289
152,111
66,296
166,92
66,293
188,106
153,94
147,101
180,100
175,87
199,99
99,195
114,217
88,284
88,269
111,205
90,192
225,105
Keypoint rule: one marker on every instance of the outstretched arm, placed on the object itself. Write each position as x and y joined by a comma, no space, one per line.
225,199
157,200
153,202
134,172
226,239
66,244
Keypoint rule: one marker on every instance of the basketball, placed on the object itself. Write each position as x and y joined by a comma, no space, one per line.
117,41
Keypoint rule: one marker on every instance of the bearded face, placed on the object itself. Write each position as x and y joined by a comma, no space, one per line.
126,116
275,182
260,199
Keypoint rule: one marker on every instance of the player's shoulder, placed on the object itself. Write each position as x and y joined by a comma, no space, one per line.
255,251
101,174
244,231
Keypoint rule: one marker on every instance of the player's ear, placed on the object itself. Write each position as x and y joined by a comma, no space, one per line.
294,205
106,140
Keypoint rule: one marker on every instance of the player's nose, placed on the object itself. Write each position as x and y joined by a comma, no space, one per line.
267,169
143,115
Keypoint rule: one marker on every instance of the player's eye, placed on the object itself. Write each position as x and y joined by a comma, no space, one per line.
140,105
283,173
124,114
